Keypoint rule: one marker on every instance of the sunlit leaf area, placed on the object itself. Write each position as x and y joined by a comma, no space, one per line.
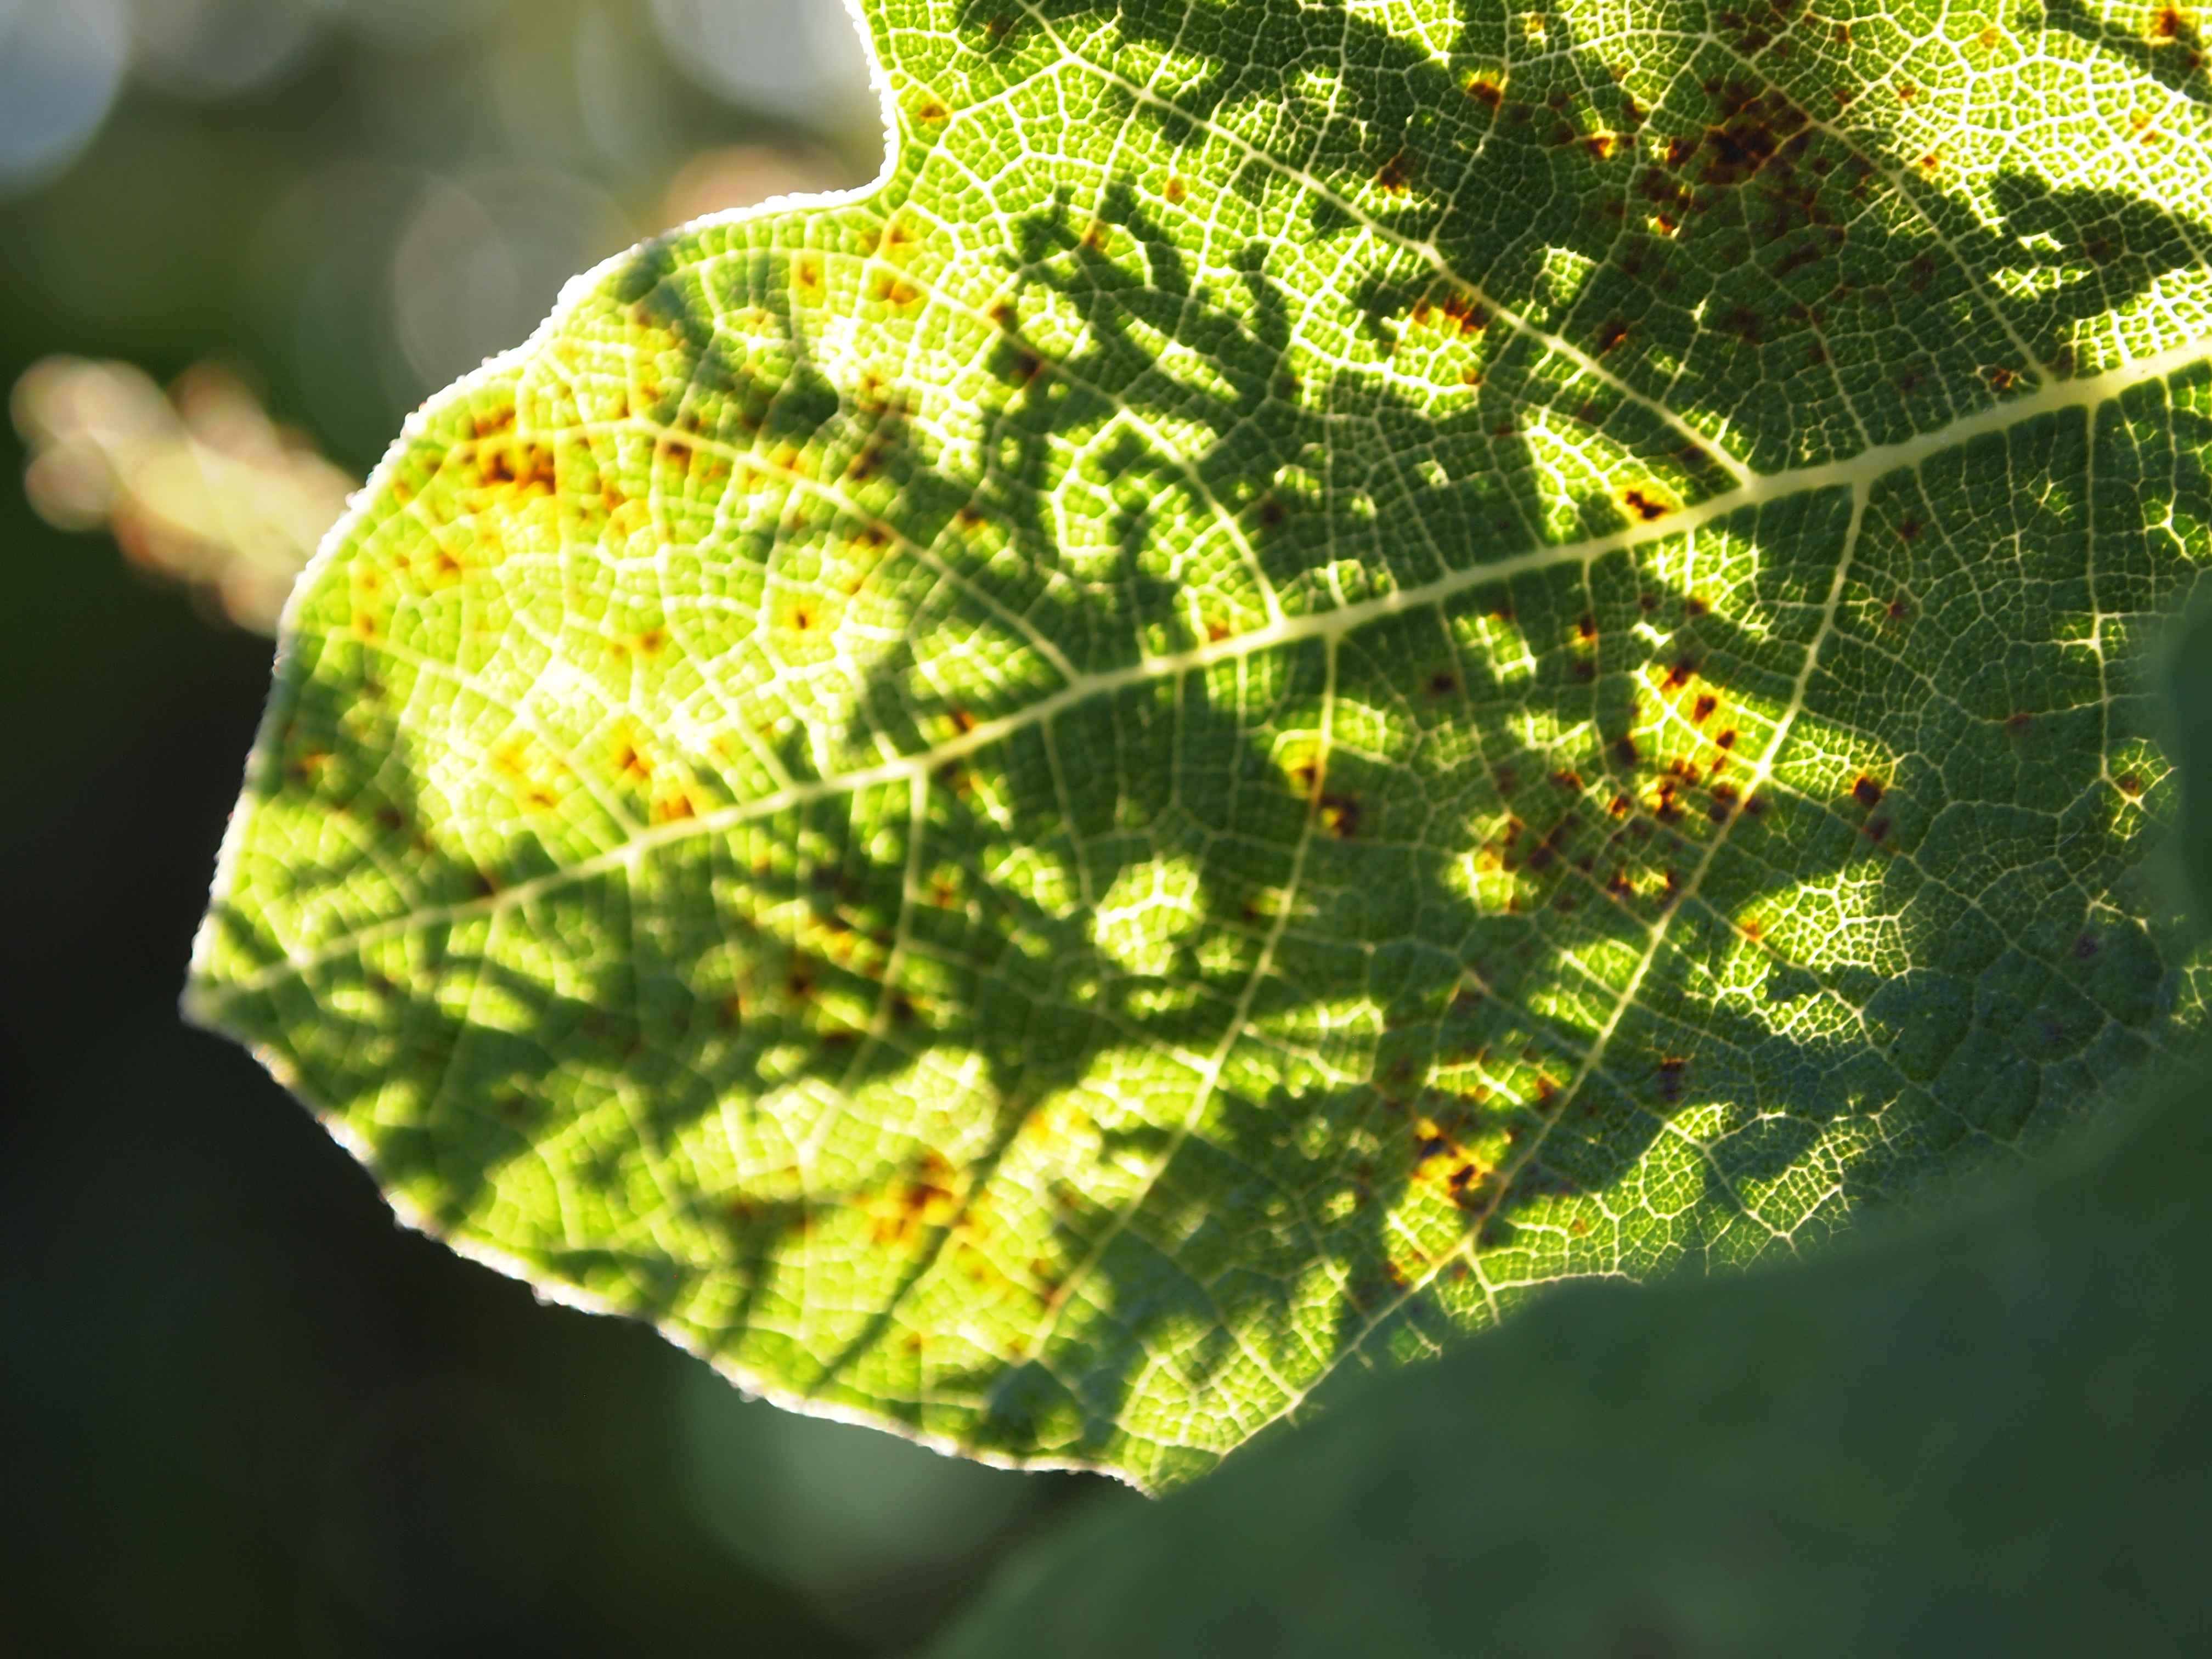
239,241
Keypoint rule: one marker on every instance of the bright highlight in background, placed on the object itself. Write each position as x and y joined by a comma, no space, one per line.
60,65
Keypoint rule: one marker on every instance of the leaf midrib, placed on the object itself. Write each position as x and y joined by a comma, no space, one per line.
1857,473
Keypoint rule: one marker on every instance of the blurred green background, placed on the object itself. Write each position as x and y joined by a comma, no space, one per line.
243,1412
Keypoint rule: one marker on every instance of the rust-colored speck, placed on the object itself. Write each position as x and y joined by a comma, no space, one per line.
1469,317
1703,711
1646,506
2131,786
1394,174
1867,792
1680,674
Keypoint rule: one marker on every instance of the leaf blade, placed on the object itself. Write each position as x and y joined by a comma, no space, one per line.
1043,804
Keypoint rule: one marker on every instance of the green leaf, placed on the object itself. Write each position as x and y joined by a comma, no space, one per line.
1982,1437
1327,663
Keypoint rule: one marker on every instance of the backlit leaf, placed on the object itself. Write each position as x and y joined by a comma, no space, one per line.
1332,660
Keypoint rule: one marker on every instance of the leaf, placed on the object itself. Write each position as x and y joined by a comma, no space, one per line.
1327,664
1981,1436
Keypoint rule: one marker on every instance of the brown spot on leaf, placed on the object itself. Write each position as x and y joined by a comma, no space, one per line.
1466,313
1867,792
